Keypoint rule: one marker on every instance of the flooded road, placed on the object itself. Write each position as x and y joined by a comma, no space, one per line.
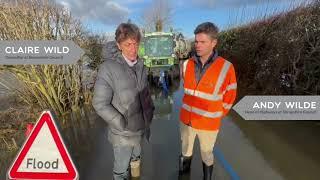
246,150
237,151
160,156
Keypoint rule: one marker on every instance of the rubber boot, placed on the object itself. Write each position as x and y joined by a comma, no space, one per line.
184,164
135,168
207,171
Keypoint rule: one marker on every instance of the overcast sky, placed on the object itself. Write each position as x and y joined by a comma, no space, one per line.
102,16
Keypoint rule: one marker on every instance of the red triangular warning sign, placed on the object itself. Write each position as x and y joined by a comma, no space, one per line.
43,155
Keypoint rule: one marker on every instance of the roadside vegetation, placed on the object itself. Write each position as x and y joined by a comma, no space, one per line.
278,55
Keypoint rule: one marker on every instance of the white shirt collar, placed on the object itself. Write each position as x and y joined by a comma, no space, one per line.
130,63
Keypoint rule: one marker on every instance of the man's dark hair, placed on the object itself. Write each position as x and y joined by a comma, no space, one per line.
207,28
127,30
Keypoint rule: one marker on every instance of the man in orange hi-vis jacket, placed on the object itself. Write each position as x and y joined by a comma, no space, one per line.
209,92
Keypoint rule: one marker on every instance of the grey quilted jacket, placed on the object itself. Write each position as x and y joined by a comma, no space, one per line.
122,99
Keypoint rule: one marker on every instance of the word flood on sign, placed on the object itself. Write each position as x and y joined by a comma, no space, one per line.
34,164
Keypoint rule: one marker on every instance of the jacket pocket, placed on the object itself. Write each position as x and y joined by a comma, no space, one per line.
118,122
135,122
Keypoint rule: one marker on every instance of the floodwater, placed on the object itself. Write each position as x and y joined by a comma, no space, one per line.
255,150
160,156
247,150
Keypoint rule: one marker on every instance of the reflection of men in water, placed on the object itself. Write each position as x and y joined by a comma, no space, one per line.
209,92
122,99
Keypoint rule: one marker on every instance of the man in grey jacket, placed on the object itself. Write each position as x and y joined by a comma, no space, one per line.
122,98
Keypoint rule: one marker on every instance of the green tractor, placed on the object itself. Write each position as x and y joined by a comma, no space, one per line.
161,54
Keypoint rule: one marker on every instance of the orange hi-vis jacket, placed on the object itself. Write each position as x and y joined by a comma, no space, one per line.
205,103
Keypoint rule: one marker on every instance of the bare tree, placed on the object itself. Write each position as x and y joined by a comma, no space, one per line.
157,16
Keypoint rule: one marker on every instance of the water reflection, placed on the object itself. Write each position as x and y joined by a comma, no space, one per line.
164,101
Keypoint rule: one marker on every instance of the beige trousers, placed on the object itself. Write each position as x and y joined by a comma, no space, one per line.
206,138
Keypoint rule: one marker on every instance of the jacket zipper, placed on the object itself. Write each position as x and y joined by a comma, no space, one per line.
194,91
138,86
